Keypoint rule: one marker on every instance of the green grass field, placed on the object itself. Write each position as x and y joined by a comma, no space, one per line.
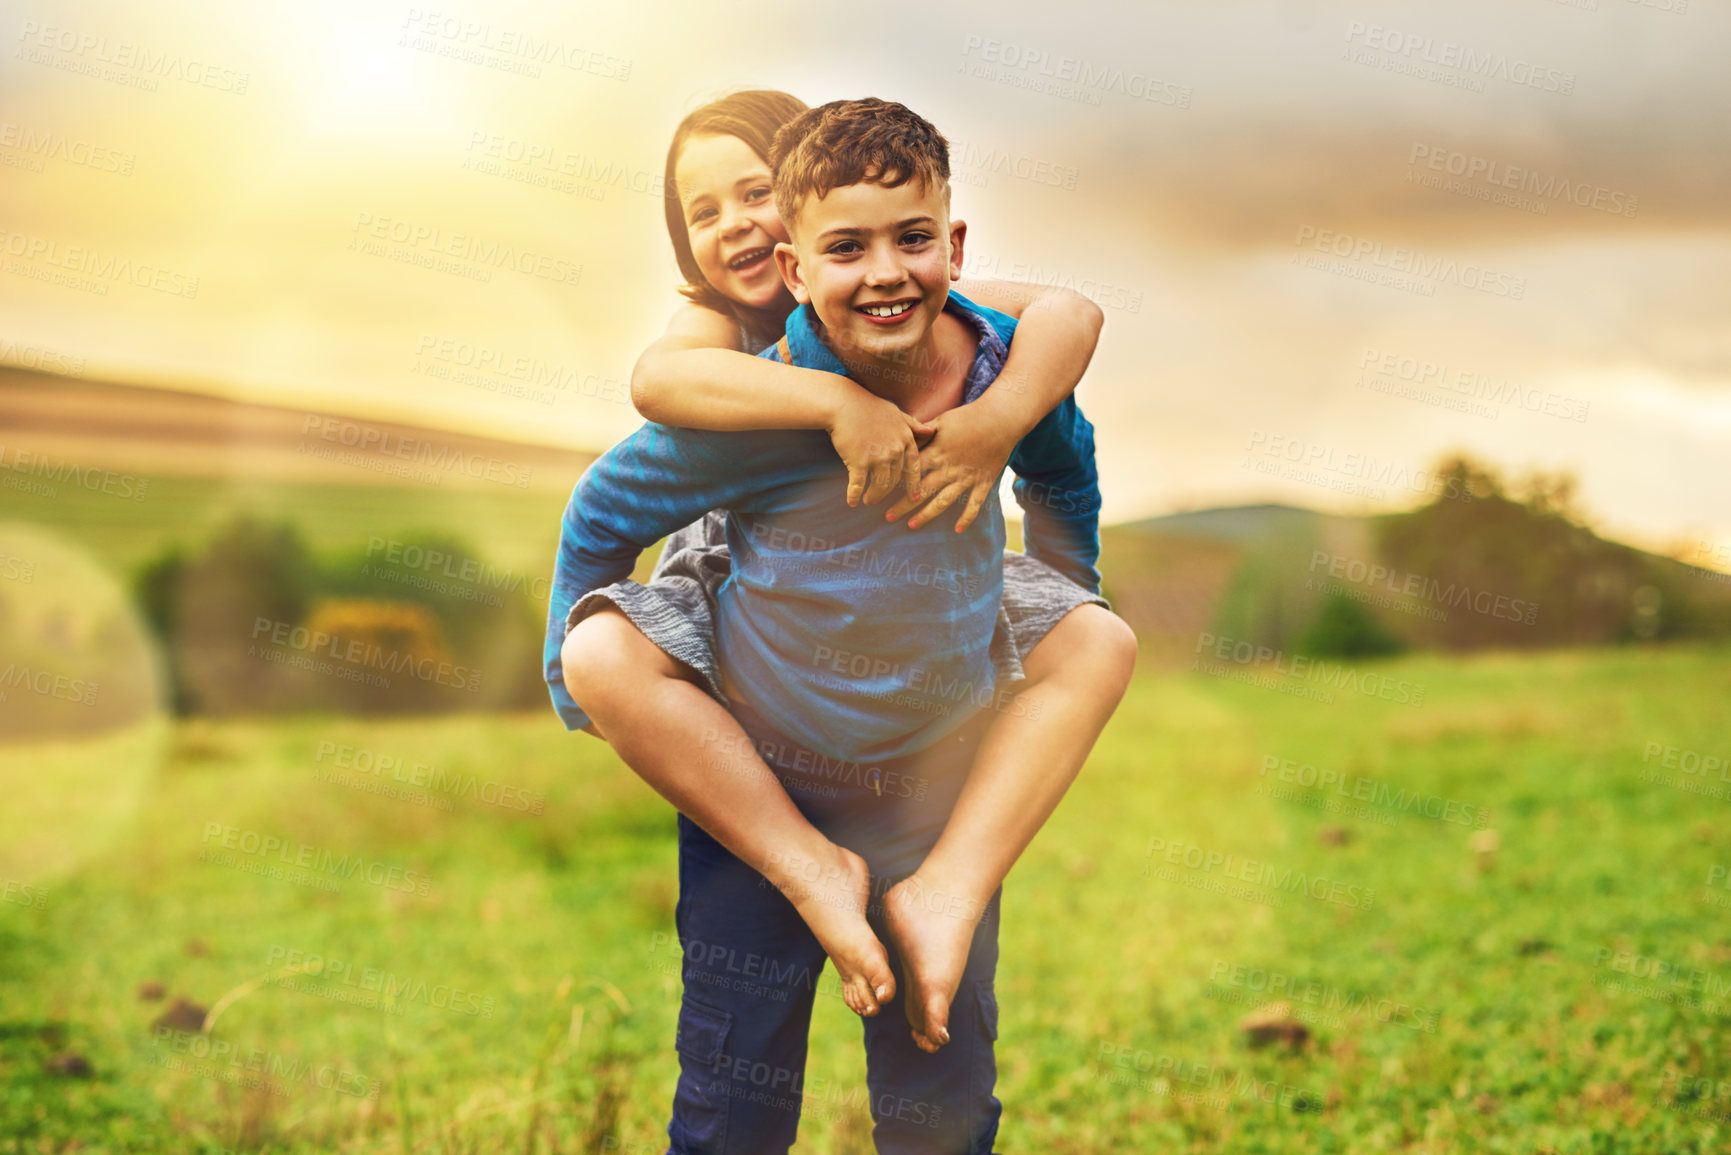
1567,991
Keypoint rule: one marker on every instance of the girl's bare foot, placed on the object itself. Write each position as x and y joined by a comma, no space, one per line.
932,927
829,890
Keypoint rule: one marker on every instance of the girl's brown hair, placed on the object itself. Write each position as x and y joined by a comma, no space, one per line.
754,116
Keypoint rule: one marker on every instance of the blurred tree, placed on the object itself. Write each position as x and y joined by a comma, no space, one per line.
155,588
1520,569
251,580
1345,628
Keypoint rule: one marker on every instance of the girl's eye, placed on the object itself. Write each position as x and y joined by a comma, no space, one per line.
757,194
702,215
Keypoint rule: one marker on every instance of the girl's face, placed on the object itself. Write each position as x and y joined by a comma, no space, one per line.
730,217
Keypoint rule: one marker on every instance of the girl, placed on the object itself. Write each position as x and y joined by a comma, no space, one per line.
641,659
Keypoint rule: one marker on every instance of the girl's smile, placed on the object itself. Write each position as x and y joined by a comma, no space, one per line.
730,218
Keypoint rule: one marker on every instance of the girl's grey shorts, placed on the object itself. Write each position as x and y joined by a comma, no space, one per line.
676,610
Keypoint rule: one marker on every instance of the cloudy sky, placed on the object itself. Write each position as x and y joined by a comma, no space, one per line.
1333,241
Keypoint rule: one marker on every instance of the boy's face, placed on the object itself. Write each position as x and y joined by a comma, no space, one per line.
730,217
875,263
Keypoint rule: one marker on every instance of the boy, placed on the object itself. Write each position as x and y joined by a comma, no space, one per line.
863,692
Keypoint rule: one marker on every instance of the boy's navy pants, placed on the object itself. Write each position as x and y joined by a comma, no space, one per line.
752,970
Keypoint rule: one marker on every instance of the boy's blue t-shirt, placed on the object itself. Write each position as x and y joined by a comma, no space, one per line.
1057,484
855,636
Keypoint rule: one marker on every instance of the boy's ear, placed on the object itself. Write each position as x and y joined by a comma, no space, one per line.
958,235
787,263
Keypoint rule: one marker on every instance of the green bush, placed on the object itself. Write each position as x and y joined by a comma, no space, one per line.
248,622
1344,628
489,617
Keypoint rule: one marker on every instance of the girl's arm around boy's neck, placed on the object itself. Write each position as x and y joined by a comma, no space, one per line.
695,376
1056,333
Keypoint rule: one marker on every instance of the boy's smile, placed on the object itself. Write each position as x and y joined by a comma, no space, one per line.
888,313
876,265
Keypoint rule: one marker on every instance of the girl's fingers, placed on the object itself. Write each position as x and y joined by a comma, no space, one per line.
911,469
903,505
856,483
945,498
900,507
893,467
892,470
883,481
976,502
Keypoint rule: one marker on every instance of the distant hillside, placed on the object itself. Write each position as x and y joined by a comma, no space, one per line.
1170,577
65,424
1492,572
124,472
1233,525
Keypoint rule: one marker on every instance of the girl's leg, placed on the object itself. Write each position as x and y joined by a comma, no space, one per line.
1027,759
694,754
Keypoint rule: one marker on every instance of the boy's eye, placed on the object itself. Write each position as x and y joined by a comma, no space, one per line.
915,238
757,194
702,215
846,248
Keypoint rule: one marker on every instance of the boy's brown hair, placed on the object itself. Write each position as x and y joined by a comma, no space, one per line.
847,142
